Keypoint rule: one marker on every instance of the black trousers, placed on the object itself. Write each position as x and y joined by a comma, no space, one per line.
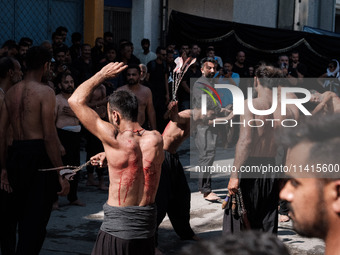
261,198
107,244
34,193
71,142
93,147
174,196
205,140
8,223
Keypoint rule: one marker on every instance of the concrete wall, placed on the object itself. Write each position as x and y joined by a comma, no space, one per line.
145,23
315,13
215,9
259,12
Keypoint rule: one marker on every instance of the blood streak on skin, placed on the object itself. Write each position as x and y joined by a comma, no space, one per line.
120,184
148,173
131,176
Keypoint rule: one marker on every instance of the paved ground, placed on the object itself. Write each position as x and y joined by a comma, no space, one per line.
72,230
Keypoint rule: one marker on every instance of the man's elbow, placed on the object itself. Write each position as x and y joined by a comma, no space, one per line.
74,102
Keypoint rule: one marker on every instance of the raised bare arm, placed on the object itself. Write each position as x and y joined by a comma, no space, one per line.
79,99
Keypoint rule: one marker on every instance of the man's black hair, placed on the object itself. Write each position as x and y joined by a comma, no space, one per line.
6,64
207,59
10,44
134,66
110,46
126,103
76,37
159,48
36,58
145,41
61,29
26,40
108,34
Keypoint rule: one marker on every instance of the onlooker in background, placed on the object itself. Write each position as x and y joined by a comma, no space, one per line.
26,40
68,128
57,40
82,68
283,64
143,74
240,66
97,54
194,52
75,49
110,56
63,32
23,48
48,46
227,77
146,55
108,39
211,50
330,80
298,70
158,79
9,49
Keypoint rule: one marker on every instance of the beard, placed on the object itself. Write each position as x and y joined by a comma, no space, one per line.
68,90
210,75
132,82
318,227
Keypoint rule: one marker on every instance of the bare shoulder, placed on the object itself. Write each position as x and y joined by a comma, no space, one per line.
45,92
124,87
153,137
145,89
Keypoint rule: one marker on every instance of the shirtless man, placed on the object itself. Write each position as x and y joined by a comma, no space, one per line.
134,158
10,74
29,109
326,103
97,102
256,146
68,128
143,95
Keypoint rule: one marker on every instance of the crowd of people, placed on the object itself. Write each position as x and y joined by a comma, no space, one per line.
57,99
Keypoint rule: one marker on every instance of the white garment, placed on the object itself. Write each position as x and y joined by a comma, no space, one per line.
75,129
145,59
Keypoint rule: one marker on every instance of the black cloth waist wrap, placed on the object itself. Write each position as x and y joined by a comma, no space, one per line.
131,222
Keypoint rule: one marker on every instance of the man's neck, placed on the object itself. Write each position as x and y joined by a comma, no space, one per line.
129,126
240,65
35,76
265,93
332,242
66,95
159,61
134,87
146,52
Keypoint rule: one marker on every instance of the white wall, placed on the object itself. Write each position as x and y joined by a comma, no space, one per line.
215,9
256,12
145,22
